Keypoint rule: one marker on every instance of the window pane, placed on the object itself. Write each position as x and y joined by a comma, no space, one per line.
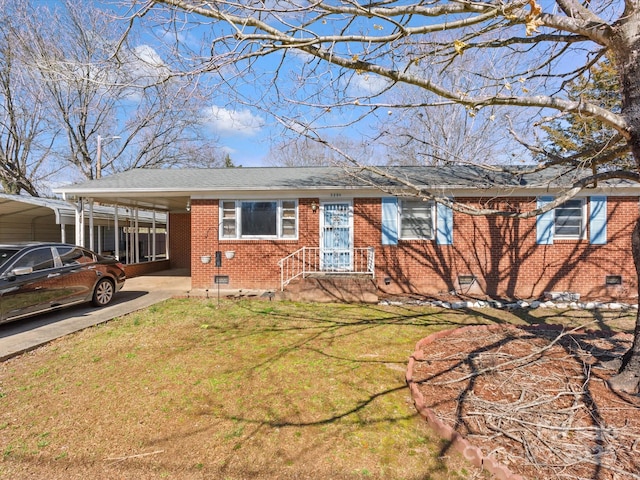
74,256
259,218
288,227
6,254
416,220
568,219
40,259
229,219
289,218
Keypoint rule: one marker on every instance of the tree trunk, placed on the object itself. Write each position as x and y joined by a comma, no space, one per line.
628,377
625,45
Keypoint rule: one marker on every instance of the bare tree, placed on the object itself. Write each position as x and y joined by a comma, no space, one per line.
445,134
323,49
95,96
428,131
303,151
25,134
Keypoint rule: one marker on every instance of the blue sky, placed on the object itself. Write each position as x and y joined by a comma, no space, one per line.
243,133
242,129
239,114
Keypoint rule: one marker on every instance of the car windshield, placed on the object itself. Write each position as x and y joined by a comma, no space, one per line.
6,254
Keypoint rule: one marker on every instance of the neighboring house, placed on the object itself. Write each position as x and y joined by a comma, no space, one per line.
271,224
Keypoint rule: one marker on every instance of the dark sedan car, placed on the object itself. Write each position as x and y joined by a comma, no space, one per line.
38,277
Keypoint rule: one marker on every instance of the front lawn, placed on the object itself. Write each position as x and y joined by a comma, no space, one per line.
249,389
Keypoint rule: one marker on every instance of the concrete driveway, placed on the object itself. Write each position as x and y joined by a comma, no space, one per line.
138,293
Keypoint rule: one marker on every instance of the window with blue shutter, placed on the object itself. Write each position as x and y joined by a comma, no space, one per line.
568,221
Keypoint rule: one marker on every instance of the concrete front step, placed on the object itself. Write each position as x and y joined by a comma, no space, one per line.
332,288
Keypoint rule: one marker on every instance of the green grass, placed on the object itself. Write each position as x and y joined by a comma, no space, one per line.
250,389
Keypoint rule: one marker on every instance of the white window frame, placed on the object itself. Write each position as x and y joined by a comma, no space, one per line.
237,219
582,235
432,208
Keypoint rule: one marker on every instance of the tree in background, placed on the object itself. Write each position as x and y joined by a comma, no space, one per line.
66,95
574,134
427,131
340,59
304,151
25,129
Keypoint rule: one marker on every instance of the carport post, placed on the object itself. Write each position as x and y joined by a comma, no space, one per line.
80,222
91,234
166,236
153,238
137,237
116,234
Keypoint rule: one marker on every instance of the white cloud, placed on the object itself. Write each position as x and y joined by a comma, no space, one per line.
148,55
146,62
227,122
369,84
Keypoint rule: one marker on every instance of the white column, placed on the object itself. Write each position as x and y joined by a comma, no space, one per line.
80,222
137,237
91,239
116,242
127,239
153,237
166,237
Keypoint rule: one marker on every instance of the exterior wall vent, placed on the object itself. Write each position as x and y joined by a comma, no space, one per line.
466,279
613,280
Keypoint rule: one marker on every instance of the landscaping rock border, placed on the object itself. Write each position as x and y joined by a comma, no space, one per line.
520,304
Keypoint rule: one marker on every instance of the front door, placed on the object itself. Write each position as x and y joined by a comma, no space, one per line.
336,238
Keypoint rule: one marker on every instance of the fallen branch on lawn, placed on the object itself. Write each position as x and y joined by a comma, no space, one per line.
128,457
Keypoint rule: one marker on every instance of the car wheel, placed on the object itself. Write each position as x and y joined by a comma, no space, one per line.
103,293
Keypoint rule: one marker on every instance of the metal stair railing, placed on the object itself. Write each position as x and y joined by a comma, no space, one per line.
308,260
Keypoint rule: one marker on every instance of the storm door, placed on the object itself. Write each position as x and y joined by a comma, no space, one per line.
336,237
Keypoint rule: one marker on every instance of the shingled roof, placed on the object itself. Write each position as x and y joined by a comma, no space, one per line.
184,183
259,178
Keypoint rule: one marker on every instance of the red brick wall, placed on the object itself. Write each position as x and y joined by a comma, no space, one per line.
180,240
500,252
255,262
145,268
503,256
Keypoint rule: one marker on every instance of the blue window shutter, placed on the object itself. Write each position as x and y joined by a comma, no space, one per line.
598,220
389,221
444,227
544,223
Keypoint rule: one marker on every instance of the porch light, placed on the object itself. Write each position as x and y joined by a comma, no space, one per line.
314,206
188,207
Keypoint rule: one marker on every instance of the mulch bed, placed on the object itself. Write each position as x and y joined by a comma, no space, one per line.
535,400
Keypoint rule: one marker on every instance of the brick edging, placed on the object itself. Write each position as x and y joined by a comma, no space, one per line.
460,444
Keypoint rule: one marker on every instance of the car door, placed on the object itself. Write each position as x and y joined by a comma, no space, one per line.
30,284
78,274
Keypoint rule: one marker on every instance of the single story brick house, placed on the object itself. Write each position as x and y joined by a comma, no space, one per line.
259,228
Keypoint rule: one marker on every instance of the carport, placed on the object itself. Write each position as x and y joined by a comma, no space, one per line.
130,234
147,190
